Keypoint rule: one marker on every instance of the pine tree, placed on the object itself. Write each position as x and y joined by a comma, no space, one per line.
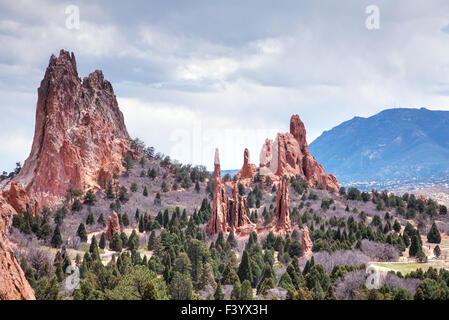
133,242
145,191
197,187
77,205
229,275
102,243
141,225
236,290
184,217
244,271
231,239
247,291
157,199
317,291
124,238
164,187
219,244
206,278
306,268
166,218
151,240
90,198
437,251
218,295
101,220
396,226
419,294
81,232
90,218
415,246
150,292
116,243
110,191
56,240
93,249
303,294
434,235
125,219
167,269
330,293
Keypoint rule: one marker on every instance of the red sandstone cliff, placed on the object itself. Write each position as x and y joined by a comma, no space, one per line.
289,156
79,141
13,284
80,135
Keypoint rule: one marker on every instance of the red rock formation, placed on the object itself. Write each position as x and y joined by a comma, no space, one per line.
227,213
306,243
17,197
237,217
113,225
282,223
217,220
289,156
13,284
80,135
248,170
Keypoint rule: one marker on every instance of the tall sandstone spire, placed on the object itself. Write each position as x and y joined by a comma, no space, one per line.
80,135
282,223
227,213
289,156
248,170
217,222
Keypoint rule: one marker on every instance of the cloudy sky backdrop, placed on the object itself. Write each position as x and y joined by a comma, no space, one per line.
194,75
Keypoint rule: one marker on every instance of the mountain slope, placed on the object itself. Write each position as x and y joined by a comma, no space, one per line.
395,143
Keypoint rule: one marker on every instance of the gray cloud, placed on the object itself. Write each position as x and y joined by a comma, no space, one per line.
229,68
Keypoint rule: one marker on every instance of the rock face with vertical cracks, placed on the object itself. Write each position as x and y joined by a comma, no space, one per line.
80,135
282,224
288,155
217,220
228,213
237,218
13,284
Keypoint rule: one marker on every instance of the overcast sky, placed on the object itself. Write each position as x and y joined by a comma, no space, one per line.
194,75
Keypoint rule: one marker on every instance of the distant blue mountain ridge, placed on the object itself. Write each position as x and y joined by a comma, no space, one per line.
393,144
